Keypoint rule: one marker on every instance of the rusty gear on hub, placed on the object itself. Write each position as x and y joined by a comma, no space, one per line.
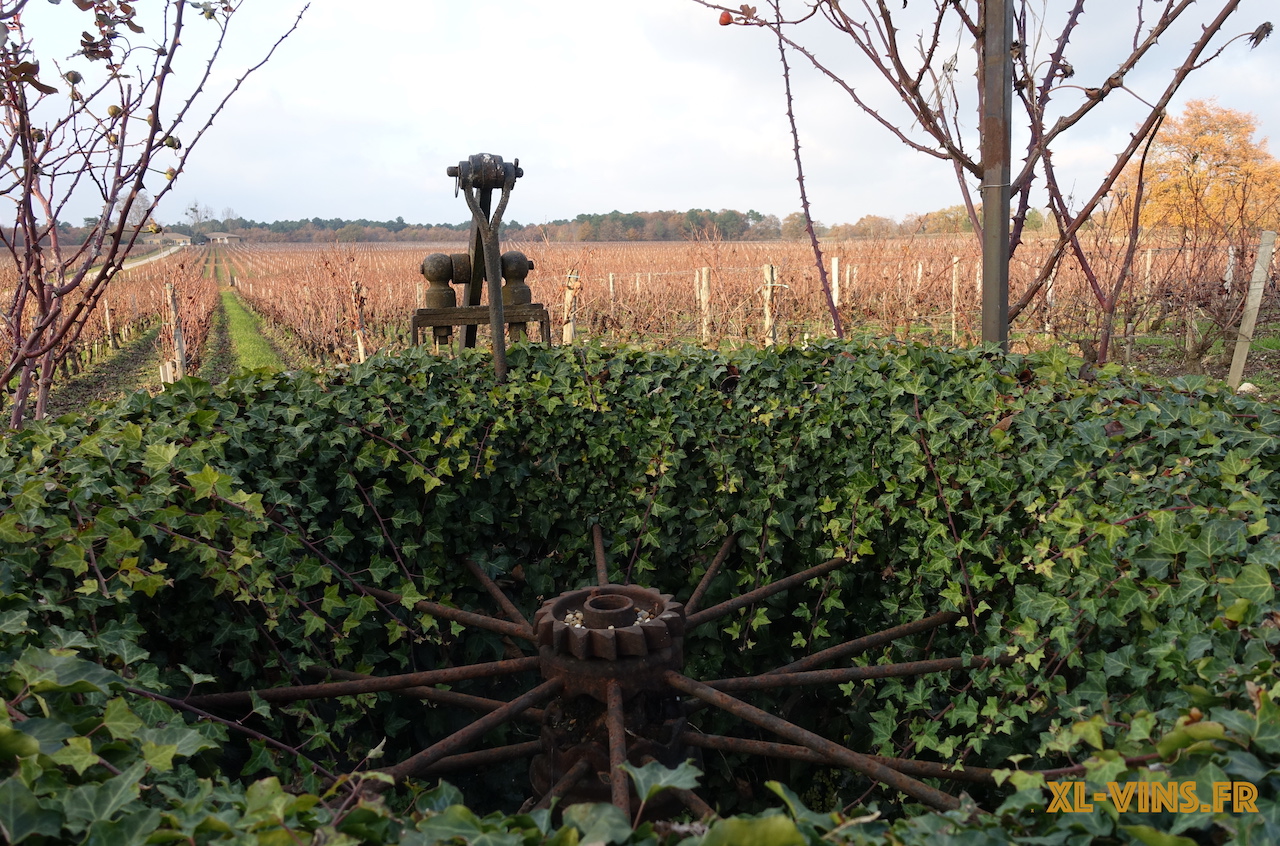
610,622
622,633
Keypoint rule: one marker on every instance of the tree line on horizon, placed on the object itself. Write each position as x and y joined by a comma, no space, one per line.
1207,172
694,224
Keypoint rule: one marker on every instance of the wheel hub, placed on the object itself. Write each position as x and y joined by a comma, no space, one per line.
622,635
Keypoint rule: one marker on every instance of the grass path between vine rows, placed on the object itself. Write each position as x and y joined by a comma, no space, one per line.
248,345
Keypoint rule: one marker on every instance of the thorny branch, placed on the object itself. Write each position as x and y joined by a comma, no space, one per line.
836,324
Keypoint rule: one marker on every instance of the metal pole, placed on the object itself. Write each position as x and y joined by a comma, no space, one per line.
497,321
997,104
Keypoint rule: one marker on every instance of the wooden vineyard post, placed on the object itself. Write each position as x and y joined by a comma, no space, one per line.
171,371
703,290
106,316
770,281
571,307
1049,301
360,352
613,301
1261,268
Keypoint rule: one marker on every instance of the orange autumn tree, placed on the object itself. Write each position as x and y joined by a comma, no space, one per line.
1208,178
1205,188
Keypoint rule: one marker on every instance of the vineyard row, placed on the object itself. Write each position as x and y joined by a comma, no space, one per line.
340,304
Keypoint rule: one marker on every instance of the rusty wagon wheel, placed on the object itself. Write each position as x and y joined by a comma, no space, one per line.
611,659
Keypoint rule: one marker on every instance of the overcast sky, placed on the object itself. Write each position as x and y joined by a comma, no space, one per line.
639,105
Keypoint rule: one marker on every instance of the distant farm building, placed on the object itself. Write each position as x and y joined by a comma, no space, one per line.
223,238
167,239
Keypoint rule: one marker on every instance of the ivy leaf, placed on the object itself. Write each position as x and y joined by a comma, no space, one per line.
159,757
123,645
132,828
453,821
158,459
1253,584
21,815
260,760
45,672
439,798
16,744
77,754
771,830
90,802
1267,733
798,810
1233,464
599,822
120,721
653,778
185,741
1184,736
9,531
1090,730
49,732
196,678
1152,837
209,481
1107,765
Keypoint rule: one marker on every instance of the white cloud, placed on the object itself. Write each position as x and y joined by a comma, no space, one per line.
634,106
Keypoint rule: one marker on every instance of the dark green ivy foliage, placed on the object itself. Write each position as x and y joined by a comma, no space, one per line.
1121,540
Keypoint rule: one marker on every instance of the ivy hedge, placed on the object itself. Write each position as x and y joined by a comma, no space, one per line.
1119,540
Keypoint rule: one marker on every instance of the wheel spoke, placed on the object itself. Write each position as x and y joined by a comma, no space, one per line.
862,644
693,802
712,570
457,615
745,746
730,605
618,779
602,565
484,758
329,690
566,783
459,740
600,673
508,607
848,674
841,755
435,694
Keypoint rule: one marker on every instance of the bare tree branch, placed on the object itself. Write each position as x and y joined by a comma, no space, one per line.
109,138
922,70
